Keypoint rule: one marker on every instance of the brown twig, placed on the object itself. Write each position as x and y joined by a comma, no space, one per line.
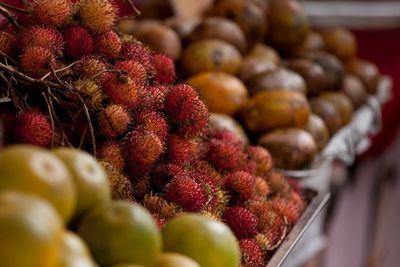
89,120
51,118
134,8
9,17
13,61
14,8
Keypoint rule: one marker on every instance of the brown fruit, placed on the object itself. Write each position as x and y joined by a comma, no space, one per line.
312,43
127,26
354,90
366,71
290,148
275,109
250,17
182,26
222,29
221,121
221,92
265,52
327,111
252,66
155,9
317,128
160,38
288,24
342,104
280,79
340,42
312,73
210,55
333,69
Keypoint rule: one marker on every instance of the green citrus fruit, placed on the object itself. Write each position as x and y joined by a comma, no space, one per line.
175,260
30,231
74,252
121,232
37,171
208,242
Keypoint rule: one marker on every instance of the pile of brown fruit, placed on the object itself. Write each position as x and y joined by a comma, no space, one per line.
291,87
68,78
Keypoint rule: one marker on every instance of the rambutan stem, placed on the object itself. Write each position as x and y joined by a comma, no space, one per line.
134,8
89,120
7,14
45,96
13,61
16,9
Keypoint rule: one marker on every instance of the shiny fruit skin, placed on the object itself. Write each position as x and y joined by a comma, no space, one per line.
30,231
221,92
342,104
333,68
340,42
275,109
312,43
210,243
175,260
220,121
328,112
317,128
90,179
210,55
74,252
263,51
121,232
354,90
366,71
34,170
252,66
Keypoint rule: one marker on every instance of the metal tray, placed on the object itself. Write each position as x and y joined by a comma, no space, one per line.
315,206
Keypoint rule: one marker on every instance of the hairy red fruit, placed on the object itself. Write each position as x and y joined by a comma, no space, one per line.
111,152
164,173
295,185
242,221
8,43
97,15
252,254
153,122
229,138
159,221
37,61
121,187
136,51
261,187
109,45
134,70
89,66
164,68
287,209
278,184
33,127
153,97
181,150
141,187
52,12
78,42
266,215
42,36
223,156
122,90
158,205
114,120
241,185
90,92
204,168
262,158
186,193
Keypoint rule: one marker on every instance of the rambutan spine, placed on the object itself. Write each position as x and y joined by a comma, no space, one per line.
121,90
134,70
37,61
152,121
78,42
136,51
242,184
7,43
164,68
52,12
252,254
111,152
121,187
33,127
109,45
242,221
114,120
97,15
43,36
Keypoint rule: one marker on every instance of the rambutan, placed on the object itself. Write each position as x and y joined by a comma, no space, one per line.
37,61
164,68
7,42
158,205
186,193
121,90
270,238
78,42
278,184
241,185
203,167
151,121
136,51
90,66
262,158
114,120
97,15
287,209
242,221
134,70
111,152
215,216
121,187
228,137
252,254
33,127
164,173
223,156
266,215
261,187
109,45
294,184
52,12
159,221
43,36
91,93
141,187
216,198
142,149
153,97
182,150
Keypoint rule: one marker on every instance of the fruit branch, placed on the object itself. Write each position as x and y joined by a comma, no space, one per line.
13,61
134,8
16,9
9,17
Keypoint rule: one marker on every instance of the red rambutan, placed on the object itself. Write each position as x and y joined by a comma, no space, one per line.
89,66
136,51
43,36
164,173
262,158
295,186
37,61
7,42
278,184
142,149
114,120
134,70
52,12
287,209
121,90
223,156
252,254
242,221
111,152
151,121
261,187
78,42
181,150
33,127
164,68
186,193
203,167
158,205
241,184
97,15
90,92
121,187
141,187
228,137
159,221
266,215
109,45
153,97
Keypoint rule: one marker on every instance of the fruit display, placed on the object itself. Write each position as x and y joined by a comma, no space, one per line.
289,72
79,83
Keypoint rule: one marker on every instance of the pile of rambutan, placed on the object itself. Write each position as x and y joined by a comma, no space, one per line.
67,78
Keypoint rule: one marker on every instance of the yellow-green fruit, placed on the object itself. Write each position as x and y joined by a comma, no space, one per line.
121,232
208,242
30,231
74,252
175,260
90,179
37,171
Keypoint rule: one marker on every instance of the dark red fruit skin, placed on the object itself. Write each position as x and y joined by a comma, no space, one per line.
33,127
163,174
138,52
252,254
242,222
164,68
241,185
78,42
223,156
